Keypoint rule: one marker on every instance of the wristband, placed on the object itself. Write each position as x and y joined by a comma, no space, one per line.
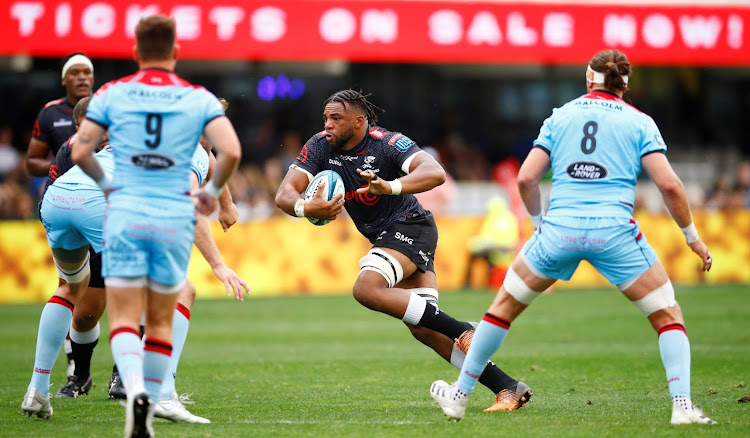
536,220
395,187
105,182
212,190
299,208
690,232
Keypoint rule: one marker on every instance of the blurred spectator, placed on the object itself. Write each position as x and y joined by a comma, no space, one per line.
496,242
9,156
439,198
465,161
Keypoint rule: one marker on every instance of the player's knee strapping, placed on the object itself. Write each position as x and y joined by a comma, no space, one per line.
428,293
77,275
384,264
517,288
660,298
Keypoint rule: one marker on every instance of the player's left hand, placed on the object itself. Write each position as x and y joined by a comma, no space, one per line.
228,215
232,282
204,203
375,184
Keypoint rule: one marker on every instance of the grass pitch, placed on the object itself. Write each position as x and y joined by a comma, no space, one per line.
325,366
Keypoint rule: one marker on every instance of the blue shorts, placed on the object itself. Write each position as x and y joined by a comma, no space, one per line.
73,218
137,244
614,246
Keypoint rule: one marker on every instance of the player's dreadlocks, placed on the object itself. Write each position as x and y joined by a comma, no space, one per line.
356,98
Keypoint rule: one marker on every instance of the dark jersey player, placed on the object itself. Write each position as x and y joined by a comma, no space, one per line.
381,171
55,125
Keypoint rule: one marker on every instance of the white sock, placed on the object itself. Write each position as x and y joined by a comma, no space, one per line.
415,309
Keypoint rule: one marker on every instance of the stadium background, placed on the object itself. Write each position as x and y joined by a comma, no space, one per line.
473,80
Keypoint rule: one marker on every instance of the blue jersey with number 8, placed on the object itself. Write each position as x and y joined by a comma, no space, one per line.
155,118
595,144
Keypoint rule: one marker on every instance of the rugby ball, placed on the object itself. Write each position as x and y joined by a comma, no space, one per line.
329,181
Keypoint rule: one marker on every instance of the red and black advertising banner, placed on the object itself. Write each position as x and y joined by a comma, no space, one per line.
388,31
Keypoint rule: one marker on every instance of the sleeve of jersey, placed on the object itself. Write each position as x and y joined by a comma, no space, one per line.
97,109
544,140
309,157
42,126
213,108
402,147
652,139
199,164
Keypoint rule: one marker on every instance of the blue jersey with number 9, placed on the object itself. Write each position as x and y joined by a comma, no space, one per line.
155,118
595,144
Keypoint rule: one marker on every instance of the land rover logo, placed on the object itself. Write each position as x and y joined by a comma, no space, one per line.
152,161
587,170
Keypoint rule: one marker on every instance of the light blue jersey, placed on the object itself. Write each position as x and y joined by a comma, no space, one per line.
73,206
155,118
595,145
199,164
76,178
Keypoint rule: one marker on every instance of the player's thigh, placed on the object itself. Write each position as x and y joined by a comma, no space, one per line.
413,242
89,221
170,249
625,253
125,253
547,255
68,245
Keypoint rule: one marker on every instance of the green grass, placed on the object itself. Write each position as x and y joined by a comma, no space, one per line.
325,366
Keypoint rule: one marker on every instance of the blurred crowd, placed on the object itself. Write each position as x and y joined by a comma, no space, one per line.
268,154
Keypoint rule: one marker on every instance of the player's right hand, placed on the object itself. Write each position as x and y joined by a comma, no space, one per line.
204,203
701,250
320,208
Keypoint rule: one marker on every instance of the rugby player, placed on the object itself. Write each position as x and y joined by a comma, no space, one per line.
381,171
596,146
154,117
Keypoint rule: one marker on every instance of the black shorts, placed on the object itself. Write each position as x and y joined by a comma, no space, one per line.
415,237
95,260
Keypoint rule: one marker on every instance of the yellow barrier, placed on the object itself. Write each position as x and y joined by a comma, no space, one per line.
286,256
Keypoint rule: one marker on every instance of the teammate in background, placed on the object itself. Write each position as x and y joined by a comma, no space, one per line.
53,127
73,213
84,329
55,123
590,217
381,171
155,118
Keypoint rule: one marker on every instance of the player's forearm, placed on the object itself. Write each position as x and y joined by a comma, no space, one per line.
676,201
225,199
205,243
286,198
90,165
38,166
531,197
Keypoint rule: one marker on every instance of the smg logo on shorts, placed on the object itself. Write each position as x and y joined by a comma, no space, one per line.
152,161
586,170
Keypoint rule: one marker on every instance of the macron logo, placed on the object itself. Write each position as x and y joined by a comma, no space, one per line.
473,376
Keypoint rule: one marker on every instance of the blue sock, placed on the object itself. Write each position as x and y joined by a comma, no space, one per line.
675,355
53,327
156,355
125,343
488,337
180,325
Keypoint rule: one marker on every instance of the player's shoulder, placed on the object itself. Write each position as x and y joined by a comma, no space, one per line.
317,140
390,139
53,103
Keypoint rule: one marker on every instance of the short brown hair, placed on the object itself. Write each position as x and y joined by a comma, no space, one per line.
79,111
155,37
614,64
